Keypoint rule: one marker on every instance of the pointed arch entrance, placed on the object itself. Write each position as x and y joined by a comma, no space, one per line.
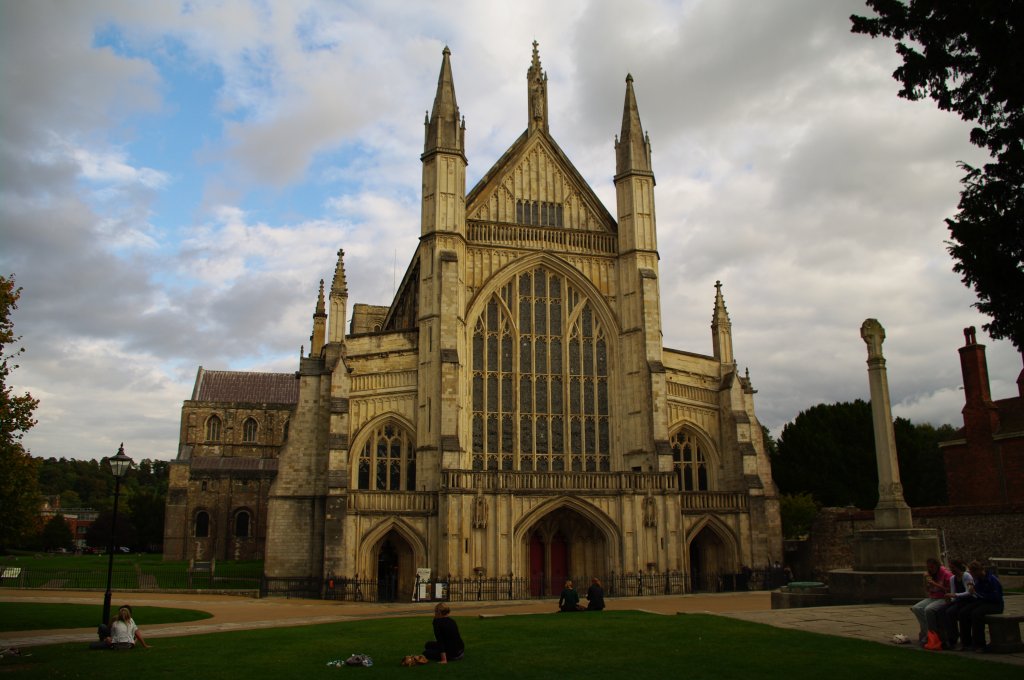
711,557
563,544
394,569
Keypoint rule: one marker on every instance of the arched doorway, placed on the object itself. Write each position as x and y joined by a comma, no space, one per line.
710,560
561,545
394,568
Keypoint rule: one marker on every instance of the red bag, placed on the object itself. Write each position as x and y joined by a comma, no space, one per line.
934,642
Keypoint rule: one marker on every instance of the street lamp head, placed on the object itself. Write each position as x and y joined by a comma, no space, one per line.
120,463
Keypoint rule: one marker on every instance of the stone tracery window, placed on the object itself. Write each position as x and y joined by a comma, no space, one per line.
388,460
540,379
689,462
213,429
249,430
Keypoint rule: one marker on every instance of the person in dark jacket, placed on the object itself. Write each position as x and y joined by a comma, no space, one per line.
447,644
595,595
569,600
987,598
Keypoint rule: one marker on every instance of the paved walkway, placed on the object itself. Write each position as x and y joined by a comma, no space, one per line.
876,623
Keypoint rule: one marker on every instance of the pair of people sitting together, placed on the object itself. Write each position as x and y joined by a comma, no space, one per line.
569,601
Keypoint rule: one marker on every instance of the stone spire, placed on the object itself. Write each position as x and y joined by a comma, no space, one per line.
633,147
316,340
444,130
339,300
537,93
339,287
721,328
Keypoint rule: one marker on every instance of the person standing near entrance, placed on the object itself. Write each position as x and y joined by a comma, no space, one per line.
569,600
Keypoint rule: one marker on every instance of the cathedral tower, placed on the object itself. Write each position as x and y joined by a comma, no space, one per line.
644,428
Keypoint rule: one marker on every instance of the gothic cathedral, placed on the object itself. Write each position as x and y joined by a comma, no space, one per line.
513,411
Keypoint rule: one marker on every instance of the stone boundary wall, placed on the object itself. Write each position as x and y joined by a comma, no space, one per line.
965,532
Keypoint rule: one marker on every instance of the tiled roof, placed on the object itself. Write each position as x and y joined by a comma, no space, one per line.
246,386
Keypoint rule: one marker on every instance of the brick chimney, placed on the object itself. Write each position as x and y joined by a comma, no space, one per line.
981,418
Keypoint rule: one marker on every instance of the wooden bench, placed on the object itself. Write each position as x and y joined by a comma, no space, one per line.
1004,633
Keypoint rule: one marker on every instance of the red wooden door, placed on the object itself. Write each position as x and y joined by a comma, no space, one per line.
536,566
559,564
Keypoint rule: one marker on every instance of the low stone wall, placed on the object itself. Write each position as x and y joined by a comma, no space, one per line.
965,532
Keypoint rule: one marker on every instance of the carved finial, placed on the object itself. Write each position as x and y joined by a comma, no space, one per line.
320,309
537,93
874,335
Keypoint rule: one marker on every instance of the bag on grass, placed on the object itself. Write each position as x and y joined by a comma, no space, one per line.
934,642
359,660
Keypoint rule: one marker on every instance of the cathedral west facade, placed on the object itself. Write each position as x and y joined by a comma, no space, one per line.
513,410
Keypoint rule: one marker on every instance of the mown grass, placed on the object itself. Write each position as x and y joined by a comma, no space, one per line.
46,616
130,572
606,645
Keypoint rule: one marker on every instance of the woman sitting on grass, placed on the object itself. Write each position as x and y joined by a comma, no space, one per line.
447,644
123,631
595,595
569,600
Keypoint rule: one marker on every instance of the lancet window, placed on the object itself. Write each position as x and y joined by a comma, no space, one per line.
540,379
242,524
213,429
689,462
250,428
539,213
388,460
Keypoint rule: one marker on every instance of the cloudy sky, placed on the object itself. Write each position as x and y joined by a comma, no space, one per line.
177,176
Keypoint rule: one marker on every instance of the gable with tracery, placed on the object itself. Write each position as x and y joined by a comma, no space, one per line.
534,184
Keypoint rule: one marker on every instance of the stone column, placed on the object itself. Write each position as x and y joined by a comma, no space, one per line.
892,511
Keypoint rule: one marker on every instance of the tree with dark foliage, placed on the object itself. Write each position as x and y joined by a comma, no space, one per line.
828,451
19,498
56,534
968,56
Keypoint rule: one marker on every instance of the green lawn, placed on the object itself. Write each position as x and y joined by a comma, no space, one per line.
131,572
606,645
44,616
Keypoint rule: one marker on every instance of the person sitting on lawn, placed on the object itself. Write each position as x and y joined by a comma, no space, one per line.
569,600
447,644
123,631
595,595
937,583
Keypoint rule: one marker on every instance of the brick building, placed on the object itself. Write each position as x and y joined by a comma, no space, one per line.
985,463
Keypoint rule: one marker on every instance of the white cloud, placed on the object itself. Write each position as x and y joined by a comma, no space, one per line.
786,166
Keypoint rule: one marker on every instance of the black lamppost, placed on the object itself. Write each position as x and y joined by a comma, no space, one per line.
119,465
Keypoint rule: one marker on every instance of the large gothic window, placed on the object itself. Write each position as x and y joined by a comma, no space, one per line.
540,379
388,460
689,462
